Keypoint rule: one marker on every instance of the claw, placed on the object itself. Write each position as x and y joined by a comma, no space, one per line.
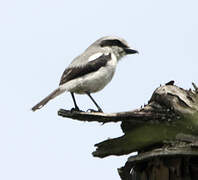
92,110
76,109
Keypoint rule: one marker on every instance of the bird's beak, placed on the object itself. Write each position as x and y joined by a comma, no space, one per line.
130,51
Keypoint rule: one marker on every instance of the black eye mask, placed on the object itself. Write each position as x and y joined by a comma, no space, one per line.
113,43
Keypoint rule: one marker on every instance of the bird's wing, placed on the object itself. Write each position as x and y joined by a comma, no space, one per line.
91,66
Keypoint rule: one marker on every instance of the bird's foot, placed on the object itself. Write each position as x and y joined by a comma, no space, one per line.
75,109
92,110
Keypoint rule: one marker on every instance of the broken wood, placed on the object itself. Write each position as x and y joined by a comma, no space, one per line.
171,109
165,128
178,161
136,116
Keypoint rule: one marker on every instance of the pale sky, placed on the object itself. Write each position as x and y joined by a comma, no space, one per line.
39,38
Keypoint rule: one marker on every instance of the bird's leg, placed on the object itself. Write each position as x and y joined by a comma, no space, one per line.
99,109
76,108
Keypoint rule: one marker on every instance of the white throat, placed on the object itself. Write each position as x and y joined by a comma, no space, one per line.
118,52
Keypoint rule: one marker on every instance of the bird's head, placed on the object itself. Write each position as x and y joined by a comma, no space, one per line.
116,44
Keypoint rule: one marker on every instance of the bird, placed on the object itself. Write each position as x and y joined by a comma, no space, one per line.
91,71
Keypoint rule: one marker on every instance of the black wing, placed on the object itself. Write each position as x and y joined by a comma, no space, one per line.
75,72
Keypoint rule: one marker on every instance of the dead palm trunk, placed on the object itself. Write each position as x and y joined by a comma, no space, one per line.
163,132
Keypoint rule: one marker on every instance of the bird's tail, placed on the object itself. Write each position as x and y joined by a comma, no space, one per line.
55,93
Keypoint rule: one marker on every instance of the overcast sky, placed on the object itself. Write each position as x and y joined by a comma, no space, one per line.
39,38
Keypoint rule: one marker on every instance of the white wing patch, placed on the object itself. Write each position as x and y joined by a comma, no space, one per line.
95,56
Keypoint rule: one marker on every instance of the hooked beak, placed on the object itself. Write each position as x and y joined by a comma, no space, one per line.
130,51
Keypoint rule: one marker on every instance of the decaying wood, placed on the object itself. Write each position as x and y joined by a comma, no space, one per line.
179,161
136,116
170,111
167,102
164,133
166,168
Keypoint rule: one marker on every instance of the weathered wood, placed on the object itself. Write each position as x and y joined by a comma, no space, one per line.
135,117
164,133
175,111
170,111
181,149
167,103
167,163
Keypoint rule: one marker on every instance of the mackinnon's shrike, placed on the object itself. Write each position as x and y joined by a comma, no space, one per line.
92,70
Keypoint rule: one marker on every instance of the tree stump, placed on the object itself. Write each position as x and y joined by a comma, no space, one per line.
163,132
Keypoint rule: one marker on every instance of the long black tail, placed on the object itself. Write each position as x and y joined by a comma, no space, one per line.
55,93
